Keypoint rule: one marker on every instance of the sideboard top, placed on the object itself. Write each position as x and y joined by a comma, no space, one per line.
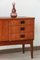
17,18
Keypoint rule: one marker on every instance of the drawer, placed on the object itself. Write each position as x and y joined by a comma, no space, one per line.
21,22
13,37
17,29
21,36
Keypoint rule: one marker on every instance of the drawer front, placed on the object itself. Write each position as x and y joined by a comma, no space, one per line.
16,29
19,29
13,37
21,36
21,22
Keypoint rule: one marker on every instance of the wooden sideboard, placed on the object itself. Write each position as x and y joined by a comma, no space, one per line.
17,31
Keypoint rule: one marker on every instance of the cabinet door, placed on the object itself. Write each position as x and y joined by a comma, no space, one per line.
5,30
0,30
13,31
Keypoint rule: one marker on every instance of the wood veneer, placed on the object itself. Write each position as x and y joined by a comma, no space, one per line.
17,31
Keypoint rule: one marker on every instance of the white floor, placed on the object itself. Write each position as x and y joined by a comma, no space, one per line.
20,56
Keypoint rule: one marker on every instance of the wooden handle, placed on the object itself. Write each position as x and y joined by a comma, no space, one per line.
22,28
22,22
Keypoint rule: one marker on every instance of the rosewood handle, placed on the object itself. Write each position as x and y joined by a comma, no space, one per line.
22,35
22,22
22,28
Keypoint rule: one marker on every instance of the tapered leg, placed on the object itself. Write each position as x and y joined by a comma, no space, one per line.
32,49
23,48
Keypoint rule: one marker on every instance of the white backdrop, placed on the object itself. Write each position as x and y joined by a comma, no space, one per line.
24,8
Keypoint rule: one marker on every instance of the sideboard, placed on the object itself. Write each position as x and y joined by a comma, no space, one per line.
18,30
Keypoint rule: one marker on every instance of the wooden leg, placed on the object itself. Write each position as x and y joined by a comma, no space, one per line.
32,49
23,47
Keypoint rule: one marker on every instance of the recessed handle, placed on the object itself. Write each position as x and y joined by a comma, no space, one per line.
22,22
22,36
22,28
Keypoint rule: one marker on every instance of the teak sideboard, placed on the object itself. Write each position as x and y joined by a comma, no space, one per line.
17,31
